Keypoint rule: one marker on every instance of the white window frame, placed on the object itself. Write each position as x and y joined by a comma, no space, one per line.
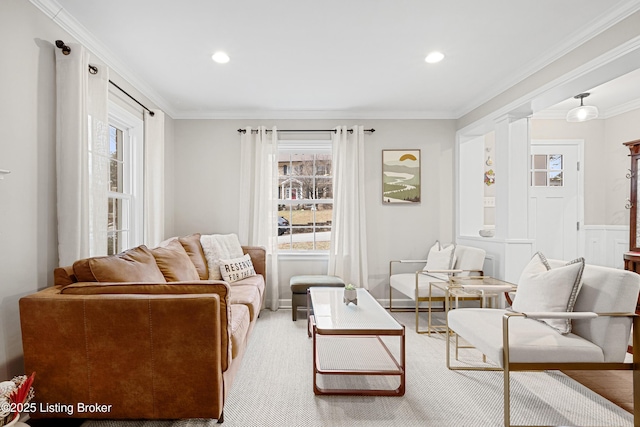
305,147
133,169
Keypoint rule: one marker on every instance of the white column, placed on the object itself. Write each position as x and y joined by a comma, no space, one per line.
512,169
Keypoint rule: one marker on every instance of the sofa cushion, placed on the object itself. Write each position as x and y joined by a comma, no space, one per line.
236,269
174,262
248,295
63,276
545,289
239,328
192,246
133,265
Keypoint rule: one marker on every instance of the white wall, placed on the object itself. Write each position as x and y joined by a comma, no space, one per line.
207,159
28,251
28,235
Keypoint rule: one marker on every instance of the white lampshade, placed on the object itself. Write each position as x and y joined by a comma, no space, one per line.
583,112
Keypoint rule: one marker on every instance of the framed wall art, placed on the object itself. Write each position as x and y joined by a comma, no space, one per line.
400,176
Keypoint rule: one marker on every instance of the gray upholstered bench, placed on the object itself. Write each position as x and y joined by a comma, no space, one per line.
300,284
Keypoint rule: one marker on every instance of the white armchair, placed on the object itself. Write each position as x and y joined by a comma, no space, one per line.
518,341
468,261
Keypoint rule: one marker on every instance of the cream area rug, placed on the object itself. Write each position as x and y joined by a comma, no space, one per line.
274,388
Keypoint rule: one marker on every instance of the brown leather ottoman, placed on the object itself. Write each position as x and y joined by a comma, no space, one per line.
300,284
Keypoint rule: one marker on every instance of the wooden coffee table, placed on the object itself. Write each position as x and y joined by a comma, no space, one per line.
354,340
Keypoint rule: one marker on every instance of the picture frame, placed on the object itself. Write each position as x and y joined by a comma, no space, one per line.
401,176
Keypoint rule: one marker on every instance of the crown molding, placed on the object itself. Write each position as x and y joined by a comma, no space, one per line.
67,22
315,114
589,31
621,109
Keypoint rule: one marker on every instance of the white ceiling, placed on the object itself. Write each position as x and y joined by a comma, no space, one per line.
331,58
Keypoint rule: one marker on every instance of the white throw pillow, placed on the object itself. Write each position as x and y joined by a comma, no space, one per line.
233,270
217,247
542,288
441,258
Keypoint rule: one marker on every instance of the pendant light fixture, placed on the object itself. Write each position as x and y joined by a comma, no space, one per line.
583,112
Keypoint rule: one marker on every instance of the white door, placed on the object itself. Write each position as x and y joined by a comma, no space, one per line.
555,199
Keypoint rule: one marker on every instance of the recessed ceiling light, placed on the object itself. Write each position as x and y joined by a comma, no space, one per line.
220,57
434,57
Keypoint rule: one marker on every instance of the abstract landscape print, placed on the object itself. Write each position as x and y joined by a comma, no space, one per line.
400,176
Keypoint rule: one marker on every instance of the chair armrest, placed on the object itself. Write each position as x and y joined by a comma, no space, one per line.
561,315
404,261
566,315
439,271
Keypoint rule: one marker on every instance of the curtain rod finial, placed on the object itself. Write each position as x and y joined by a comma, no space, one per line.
65,49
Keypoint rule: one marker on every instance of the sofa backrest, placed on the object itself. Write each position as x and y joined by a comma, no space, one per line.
605,290
469,258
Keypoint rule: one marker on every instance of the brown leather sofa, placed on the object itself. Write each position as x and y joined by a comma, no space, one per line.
126,337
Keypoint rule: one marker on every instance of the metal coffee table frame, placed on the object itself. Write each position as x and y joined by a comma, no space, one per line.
367,322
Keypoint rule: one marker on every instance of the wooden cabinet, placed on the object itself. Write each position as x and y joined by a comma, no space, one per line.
632,258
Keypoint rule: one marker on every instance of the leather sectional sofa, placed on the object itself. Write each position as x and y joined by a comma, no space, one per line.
127,337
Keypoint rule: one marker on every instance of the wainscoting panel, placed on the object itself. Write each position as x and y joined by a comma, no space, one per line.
606,244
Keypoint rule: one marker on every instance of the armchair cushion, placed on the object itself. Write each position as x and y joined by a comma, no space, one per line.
530,341
543,289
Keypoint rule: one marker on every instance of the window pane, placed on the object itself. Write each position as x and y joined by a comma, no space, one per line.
284,167
112,222
324,188
323,214
302,164
539,179
302,239
539,161
555,161
555,179
115,176
115,143
323,239
112,244
301,216
323,164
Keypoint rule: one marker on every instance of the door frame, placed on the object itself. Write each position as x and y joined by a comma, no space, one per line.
579,143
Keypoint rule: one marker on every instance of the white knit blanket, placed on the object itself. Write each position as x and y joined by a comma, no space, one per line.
218,247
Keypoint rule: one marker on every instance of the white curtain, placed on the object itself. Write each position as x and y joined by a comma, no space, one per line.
348,251
153,178
258,217
82,150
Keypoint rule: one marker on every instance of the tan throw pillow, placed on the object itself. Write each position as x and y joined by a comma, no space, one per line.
543,289
133,265
192,245
175,264
236,269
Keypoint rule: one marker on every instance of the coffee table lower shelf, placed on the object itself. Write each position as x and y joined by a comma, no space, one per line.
361,365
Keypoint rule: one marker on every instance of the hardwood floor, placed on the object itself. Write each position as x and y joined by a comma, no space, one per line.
616,386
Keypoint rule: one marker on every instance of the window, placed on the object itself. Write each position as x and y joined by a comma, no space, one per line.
124,227
546,170
305,195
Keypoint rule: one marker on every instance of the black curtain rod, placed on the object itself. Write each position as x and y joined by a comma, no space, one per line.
305,130
94,70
